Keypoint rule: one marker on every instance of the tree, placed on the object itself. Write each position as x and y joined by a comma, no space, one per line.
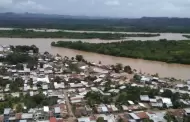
46,53
167,93
19,67
185,96
137,78
57,79
119,66
128,69
147,120
72,58
14,86
100,119
79,58
19,108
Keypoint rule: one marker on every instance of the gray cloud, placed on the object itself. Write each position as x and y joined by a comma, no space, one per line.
114,8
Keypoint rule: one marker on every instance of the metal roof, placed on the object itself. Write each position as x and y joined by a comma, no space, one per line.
57,110
26,116
134,116
23,121
7,111
144,97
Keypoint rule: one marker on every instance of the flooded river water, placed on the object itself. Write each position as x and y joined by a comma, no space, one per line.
178,71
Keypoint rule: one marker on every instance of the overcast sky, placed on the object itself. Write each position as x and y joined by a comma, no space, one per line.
111,8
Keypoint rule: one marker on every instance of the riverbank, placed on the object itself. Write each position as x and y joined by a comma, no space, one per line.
178,71
21,33
163,50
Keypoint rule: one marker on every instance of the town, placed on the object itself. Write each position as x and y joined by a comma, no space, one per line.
42,87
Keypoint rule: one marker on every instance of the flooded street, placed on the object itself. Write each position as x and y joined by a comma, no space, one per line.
178,71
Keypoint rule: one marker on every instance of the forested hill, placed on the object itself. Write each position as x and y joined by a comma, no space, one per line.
145,24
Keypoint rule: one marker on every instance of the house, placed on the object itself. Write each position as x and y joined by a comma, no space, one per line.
46,109
187,111
57,112
188,82
134,116
145,79
167,102
157,116
40,115
45,86
26,116
124,107
142,115
84,119
52,119
7,112
144,98
102,108
2,97
131,102
107,118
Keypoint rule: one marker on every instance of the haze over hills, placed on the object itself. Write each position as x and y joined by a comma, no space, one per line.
150,24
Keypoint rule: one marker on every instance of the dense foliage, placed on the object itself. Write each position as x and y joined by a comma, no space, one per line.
20,33
145,24
20,54
25,48
38,100
162,50
15,58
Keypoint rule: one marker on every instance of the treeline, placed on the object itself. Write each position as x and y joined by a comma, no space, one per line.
145,24
162,50
21,33
24,48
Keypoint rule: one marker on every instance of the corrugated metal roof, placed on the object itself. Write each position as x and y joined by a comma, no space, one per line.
134,116
23,121
26,116
57,110
7,111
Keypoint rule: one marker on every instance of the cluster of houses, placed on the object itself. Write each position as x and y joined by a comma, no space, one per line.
54,77
45,114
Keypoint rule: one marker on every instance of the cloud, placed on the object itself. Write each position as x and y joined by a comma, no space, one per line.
112,2
114,8
21,6
29,5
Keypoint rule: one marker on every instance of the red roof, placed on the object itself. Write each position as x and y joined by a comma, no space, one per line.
52,119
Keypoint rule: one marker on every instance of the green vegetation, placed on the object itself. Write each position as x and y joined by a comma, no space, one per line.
144,24
100,119
73,35
162,50
170,118
20,55
126,94
38,100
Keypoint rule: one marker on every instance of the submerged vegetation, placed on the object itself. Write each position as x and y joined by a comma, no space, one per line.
21,33
162,50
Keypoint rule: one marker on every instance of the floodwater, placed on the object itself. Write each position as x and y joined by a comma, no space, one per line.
178,71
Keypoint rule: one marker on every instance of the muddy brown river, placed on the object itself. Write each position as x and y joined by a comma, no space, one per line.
178,71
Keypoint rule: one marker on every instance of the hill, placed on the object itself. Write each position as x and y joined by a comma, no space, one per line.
144,24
